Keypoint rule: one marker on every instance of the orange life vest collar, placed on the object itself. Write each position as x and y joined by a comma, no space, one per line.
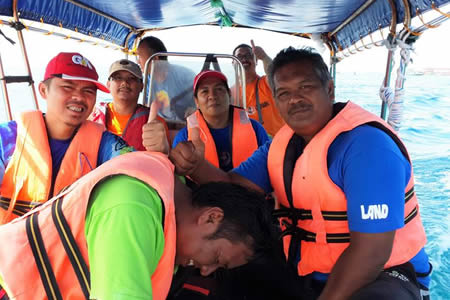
28,176
132,133
46,256
319,207
242,130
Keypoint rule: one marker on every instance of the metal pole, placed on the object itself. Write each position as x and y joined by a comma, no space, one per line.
97,12
5,90
25,56
391,37
352,17
333,61
243,85
386,82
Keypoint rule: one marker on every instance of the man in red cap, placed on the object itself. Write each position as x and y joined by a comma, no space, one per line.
41,153
223,127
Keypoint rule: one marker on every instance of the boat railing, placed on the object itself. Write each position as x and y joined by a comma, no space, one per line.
207,59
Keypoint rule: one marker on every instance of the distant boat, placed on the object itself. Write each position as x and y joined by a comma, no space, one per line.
416,73
429,71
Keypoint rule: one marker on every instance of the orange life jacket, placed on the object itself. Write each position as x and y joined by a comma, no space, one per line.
28,176
243,141
132,133
260,103
44,254
319,207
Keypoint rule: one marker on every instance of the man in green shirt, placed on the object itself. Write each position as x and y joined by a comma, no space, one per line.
124,232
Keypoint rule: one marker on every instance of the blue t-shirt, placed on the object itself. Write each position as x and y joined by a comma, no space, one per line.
370,169
222,139
175,93
111,146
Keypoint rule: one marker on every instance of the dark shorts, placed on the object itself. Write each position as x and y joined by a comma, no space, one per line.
399,282
275,280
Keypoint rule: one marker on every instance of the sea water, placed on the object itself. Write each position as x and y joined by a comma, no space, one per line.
425,130
426,133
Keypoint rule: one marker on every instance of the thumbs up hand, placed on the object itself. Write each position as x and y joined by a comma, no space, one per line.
154,137
154,107
197,141
188,156
258,51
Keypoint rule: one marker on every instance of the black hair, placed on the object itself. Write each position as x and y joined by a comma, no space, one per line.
155,44
247,215
242,46
291,55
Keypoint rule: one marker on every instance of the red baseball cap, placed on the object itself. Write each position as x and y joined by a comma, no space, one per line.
73,66
207,74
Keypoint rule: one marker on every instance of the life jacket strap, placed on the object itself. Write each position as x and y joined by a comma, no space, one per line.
41,258
308,236
21,207
305,214
70,246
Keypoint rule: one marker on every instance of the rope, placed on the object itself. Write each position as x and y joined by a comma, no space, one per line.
47,32
377,44
225,19
7,38
411,31
427,25
433,6
395,98
362,41
358,48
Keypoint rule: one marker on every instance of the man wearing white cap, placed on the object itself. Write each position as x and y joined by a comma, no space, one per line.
43,153
123,116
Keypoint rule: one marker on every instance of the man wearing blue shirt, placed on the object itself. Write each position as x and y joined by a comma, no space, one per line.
345,185
43,153
171,83
221,122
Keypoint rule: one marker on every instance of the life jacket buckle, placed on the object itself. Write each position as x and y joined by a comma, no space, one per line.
293,230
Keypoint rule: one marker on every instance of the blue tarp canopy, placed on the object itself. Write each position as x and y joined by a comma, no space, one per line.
122,21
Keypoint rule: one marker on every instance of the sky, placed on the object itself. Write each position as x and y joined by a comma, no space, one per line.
431,50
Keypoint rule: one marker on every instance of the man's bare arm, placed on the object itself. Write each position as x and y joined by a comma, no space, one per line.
261,55
359,264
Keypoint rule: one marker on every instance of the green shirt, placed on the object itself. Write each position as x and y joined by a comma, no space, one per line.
125,238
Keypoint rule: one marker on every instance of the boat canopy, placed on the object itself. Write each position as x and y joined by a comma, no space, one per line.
341,23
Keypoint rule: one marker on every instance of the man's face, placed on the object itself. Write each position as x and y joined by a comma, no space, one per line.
304,103
143,53
246,57
213,98
124,86
69,101
195,247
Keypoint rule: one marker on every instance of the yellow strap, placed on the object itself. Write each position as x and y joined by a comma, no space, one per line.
17,188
